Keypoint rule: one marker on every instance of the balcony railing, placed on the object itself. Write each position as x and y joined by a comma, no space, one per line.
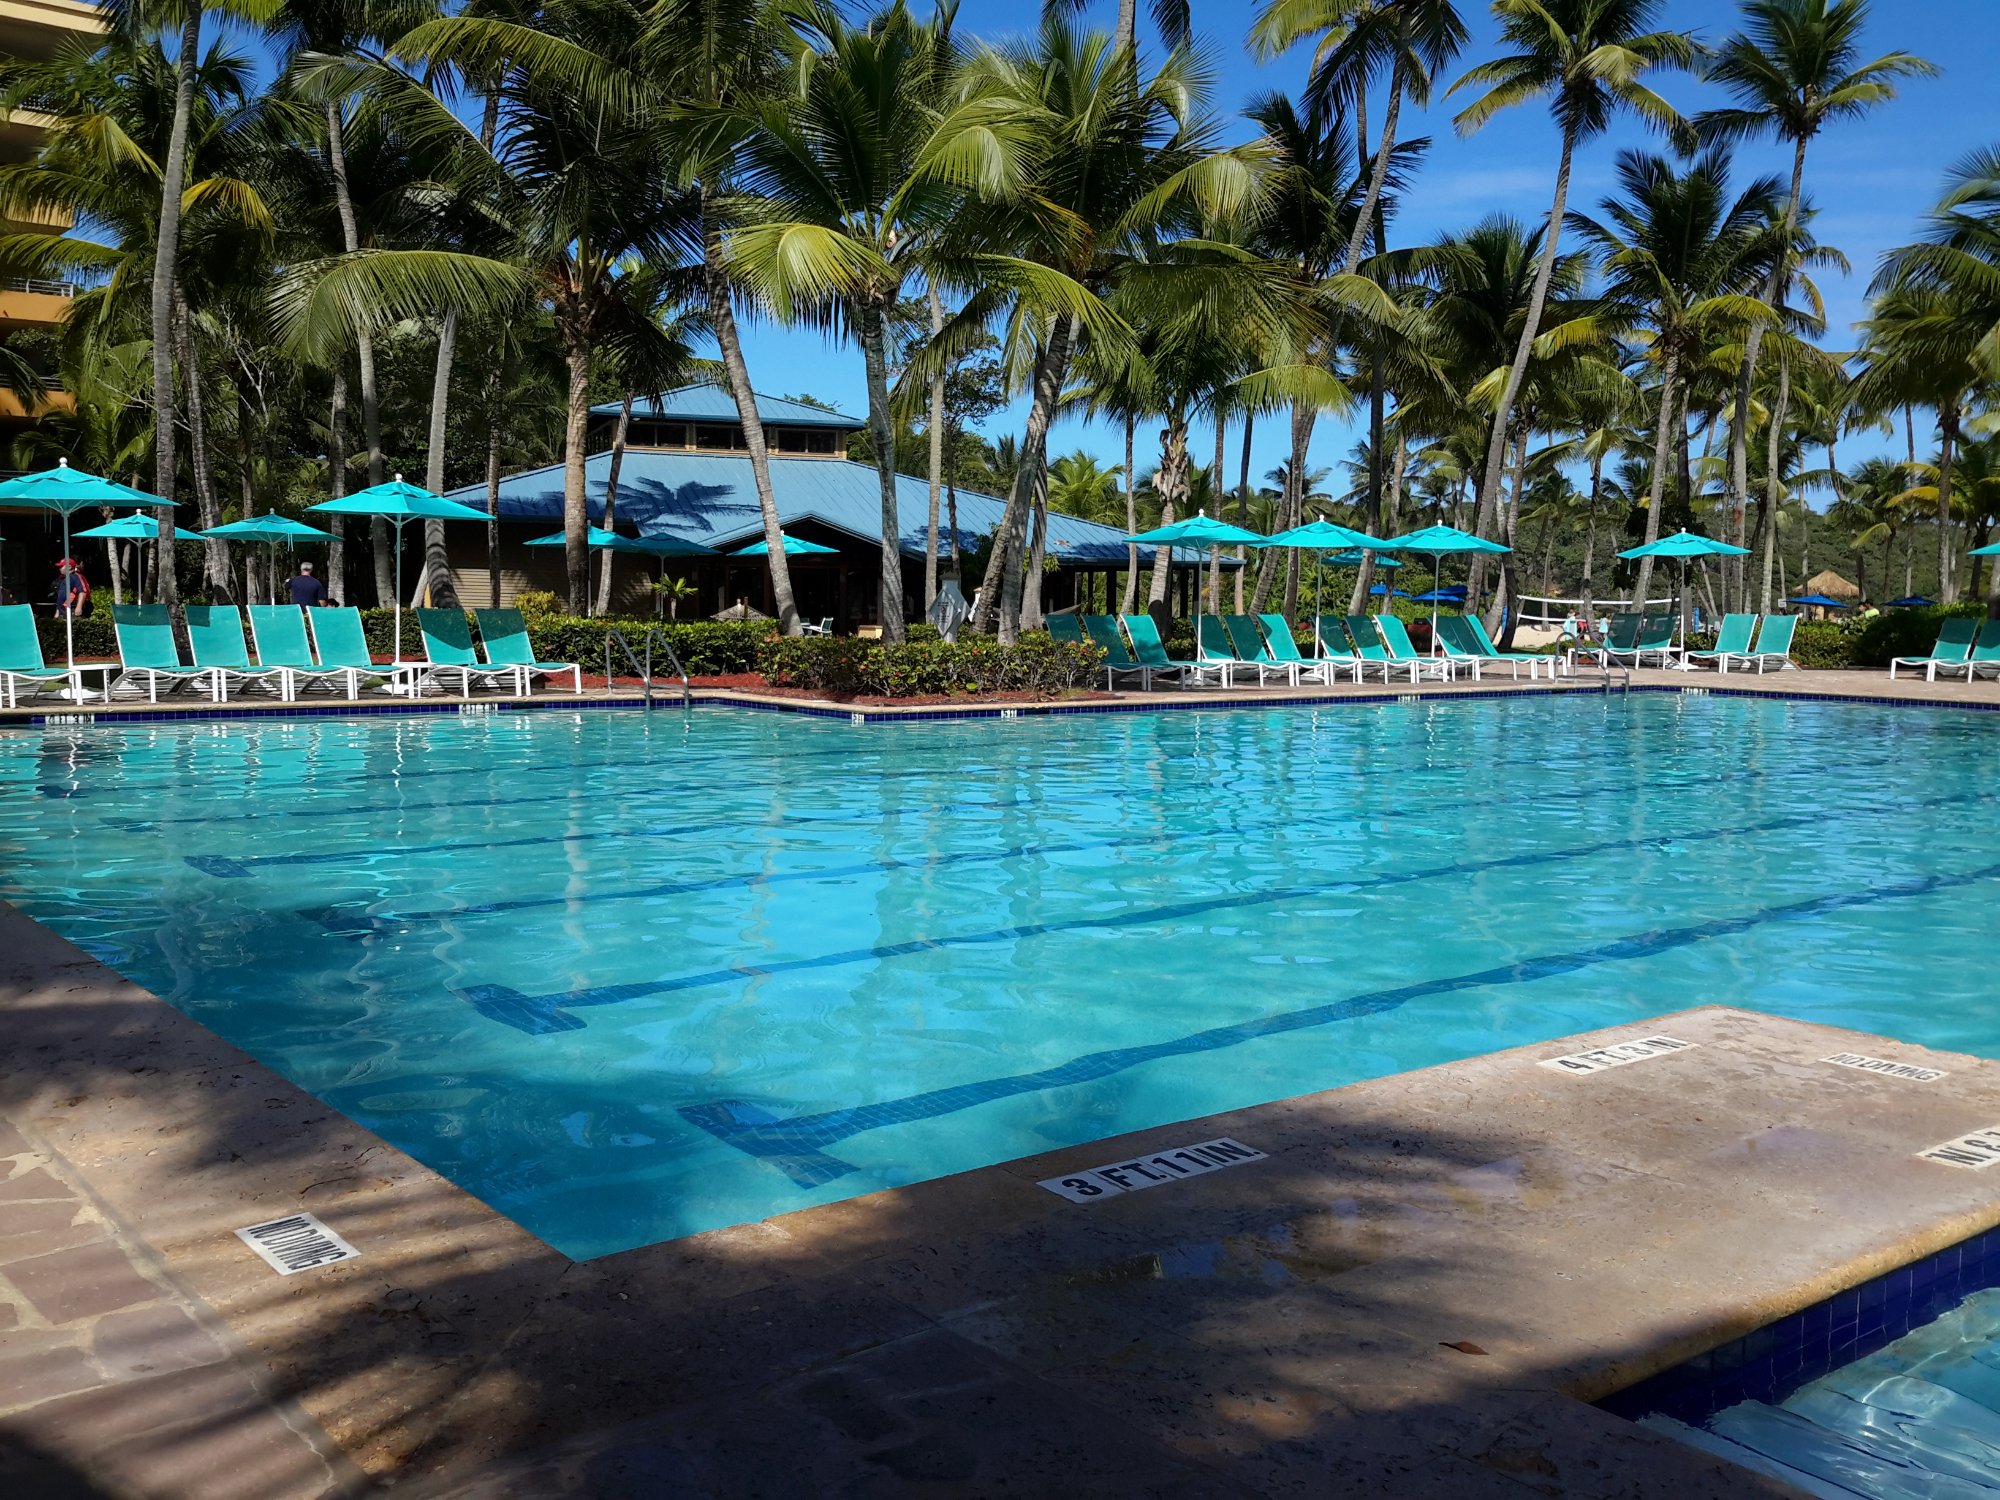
38,286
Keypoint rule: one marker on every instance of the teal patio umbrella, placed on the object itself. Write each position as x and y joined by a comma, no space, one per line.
399,503
1682,545
140,529
660,544
67,491
794,547
1435,542
270,528
1198,530
1352,559
1992,549
1320,536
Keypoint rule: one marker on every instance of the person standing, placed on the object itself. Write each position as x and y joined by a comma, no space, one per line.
72,590
307,591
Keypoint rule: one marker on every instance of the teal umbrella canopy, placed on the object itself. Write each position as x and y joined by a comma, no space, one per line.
70,490
399,501
1991,550
269,528
1438,540
1684,543
1320,535
1197,531
140,529
794,547
1353,560
661,544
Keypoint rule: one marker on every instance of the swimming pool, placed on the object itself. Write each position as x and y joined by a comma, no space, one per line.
630,976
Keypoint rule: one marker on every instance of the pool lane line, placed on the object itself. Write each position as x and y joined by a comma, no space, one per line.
352,920
551,1012
796,1146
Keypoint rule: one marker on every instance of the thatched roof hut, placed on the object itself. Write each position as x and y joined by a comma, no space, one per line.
1832,585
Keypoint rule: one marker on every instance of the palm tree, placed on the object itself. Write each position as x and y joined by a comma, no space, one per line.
1587,58
1682,258
1792,71
1171,18
845,184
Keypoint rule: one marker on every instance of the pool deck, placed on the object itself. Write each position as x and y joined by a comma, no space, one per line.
1844,685
1414,1292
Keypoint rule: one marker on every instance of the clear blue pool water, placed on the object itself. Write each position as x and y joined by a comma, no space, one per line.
627,976
1917,1420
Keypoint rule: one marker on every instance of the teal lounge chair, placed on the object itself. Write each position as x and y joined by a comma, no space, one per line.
1252,654
1065,628
280,633
1655,638
1618,640
146,653
1953,649
21,657
1774,644
504,634
1532,660
1464,641
1150,651
1284,648
448,649
1331,633
215,631
1118,660
340,641
1732,643
1403,651
1984,656
1213,647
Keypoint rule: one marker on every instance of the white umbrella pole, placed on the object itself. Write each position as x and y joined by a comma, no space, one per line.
69,626
396,649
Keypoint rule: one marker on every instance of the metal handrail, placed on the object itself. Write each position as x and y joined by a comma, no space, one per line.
645,670
38,285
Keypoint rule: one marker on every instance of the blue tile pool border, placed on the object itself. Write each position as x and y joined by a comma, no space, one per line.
153,714
1772,1362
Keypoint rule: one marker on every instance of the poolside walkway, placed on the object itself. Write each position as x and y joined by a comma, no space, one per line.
1843,685
1412,1291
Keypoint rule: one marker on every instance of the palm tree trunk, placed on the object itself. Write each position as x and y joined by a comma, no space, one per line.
493,487
1512,523
215,554
364,349
437,561
869,324
1051,368
1776,286
166,281
117,569
576,428
1215,493
1128,25
1656,493
1172,484
1243,502
1503,415
722,315
1131,600
1947,444
336,482
246,498
1289,506
1590,534
618,438
936,459
1768,519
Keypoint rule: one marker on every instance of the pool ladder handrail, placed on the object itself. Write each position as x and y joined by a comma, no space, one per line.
654,634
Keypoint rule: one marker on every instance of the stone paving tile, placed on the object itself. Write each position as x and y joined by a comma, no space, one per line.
151,1341
33,1184
81,1282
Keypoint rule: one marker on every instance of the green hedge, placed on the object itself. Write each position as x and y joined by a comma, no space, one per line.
975,664
94,636
707,648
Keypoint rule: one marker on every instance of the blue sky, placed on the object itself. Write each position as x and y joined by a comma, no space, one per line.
1872,181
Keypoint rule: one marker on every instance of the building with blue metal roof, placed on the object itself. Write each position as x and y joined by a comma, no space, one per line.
685,473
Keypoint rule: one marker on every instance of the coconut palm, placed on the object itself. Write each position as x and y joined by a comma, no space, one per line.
1682,258
1793,71
1587,58
1171,18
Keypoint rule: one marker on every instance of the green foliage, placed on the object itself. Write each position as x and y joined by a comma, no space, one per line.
1900,632
94,635
924,667
1823,643
707,648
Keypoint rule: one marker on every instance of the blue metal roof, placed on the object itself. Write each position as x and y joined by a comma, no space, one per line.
711,498
708,403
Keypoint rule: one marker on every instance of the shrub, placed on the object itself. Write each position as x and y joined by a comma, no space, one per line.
94,633
1822,643
707,648
975,664
1901,632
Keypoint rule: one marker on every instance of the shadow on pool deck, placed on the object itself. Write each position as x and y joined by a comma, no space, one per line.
1404,1300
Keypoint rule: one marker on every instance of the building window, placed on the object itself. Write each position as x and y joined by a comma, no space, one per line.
718,437
819,440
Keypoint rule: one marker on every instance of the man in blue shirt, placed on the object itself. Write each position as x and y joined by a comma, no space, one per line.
72,590
306,589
